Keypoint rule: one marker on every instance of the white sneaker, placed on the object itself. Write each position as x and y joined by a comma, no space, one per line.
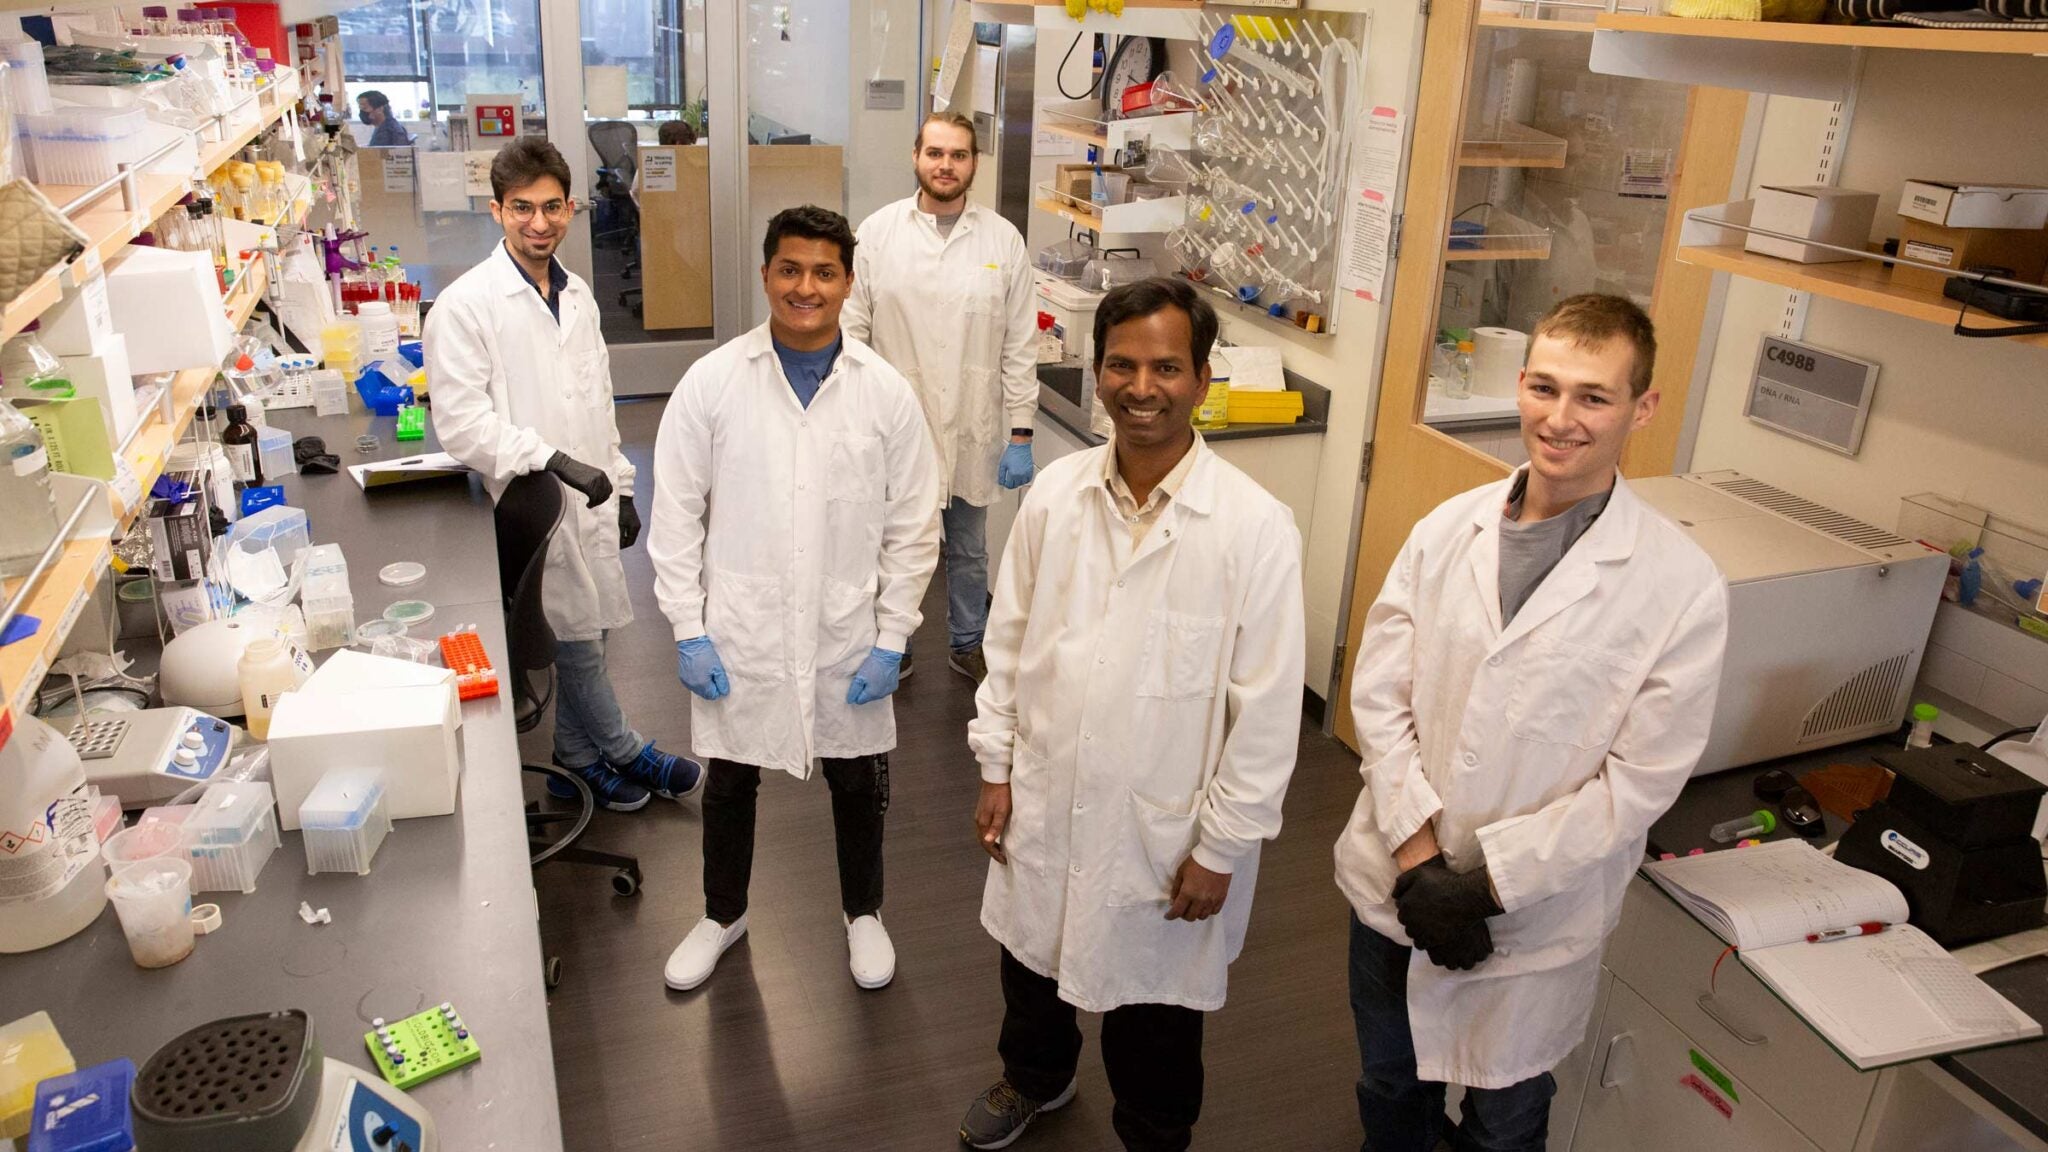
692,961
869,953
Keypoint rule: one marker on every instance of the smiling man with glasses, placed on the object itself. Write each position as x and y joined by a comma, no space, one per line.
522,383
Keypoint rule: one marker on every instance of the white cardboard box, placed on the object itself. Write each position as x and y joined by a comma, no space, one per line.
408,733
2023,206
80,323
167,303
351,671
104,376
1838,216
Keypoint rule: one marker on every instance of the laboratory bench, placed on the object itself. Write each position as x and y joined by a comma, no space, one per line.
447,912
1661,1009
1062,399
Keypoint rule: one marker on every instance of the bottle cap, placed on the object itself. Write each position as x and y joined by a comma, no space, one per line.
1765,820
1925,713
238,413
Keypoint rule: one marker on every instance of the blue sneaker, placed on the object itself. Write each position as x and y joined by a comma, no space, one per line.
665,774
612,790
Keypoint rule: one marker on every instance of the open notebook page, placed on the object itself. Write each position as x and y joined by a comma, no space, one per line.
1777,893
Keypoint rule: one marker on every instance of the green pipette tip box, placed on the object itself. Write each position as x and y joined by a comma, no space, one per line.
412,423
429,1042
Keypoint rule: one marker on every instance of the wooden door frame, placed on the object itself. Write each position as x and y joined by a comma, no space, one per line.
1415,468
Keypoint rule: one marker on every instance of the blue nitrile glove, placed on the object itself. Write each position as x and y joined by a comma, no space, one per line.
876,678
1016,468
700,669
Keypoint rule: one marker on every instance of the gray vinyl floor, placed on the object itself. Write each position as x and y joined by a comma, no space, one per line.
779,1050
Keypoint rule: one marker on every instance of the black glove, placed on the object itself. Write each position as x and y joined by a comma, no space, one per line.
629,523
582,477
1445,912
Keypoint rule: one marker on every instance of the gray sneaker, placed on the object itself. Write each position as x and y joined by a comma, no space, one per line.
969,663
1001,1114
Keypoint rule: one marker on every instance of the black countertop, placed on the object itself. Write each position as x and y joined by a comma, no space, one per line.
2014,1078
1061,399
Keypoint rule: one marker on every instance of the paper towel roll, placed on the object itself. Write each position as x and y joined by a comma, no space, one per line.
1497,356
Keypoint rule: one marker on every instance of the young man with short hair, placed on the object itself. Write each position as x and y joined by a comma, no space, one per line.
796,524
522,383
1136,734
944,291
374,108
1534,685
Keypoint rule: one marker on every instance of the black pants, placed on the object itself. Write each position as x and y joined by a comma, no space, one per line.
1152,1052
860,794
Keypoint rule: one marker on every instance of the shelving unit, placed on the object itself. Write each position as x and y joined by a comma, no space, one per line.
1534,24
1828,35
57,592
1867,283
1519,146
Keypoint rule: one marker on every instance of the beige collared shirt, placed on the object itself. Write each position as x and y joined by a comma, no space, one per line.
1141,519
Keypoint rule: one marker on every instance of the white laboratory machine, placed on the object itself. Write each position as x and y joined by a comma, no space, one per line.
148,757
1828,617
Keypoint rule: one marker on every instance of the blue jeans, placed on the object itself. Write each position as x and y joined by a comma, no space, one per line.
966,550
588,724
1401,1113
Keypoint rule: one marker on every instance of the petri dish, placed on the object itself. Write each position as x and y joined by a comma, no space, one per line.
403,572
410,612
378,630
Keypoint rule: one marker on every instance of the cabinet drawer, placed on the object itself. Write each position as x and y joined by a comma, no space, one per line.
1668,960
1646,1093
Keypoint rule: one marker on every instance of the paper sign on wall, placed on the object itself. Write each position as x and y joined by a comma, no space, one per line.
658,170
476,173
398,170
604,91
441,182
1369,205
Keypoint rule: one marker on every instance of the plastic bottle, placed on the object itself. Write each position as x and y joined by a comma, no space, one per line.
1972,579
239,438
1213,413
1922,733
42,790
1757,823
30,522
266,671
380,330
1460,384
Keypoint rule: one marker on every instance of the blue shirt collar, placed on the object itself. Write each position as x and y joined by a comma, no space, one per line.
558,280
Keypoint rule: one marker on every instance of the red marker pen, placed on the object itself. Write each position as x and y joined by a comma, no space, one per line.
1869,929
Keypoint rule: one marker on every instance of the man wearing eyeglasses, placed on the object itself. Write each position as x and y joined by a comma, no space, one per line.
522,383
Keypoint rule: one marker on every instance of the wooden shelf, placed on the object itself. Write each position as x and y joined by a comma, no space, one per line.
1458,255
1073,132
1528,23
1069,212
1520,146
1863,282
1832,35
57,601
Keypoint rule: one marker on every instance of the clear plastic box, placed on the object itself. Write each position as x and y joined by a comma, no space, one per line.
274,450
344,819
330,611
325,561
234,831
81,145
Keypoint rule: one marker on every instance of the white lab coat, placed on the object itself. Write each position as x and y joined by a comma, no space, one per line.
511,388
958,316
1140,713
1550,746
797,539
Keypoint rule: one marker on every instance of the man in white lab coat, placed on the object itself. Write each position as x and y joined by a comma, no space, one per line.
943,290
796,524
522,383
1534,685
1136,734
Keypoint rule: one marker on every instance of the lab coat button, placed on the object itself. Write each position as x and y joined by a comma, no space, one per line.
1119,583
1077,869
1494,660
1471,760
1102,659
1087,735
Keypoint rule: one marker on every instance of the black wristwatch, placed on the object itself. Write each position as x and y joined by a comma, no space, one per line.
1024,432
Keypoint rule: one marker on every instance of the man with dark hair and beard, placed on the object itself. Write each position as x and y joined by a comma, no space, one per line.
943,290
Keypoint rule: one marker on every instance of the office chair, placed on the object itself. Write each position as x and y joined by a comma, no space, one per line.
616,143
526,517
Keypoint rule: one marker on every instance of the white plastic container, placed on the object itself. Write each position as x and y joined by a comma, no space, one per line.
59,880
344,820
265,672
274,454
153,898
380,331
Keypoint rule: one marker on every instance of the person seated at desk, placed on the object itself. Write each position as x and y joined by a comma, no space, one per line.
374,108
1534,685
522,383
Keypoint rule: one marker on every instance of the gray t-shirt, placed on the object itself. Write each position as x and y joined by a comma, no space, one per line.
1528,551
946,223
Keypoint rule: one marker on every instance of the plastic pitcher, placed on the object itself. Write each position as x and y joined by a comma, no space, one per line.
153,899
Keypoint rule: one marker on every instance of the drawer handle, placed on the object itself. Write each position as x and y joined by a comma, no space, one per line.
1613,1070
1706,1003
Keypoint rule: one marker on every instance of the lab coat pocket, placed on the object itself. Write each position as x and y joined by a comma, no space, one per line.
1180,656
1149,850
853,469
982,294
743,617
591,387
1568,693
846,625
1030,782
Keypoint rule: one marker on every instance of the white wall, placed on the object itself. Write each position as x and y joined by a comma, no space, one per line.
884,44
800,82
1965,418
